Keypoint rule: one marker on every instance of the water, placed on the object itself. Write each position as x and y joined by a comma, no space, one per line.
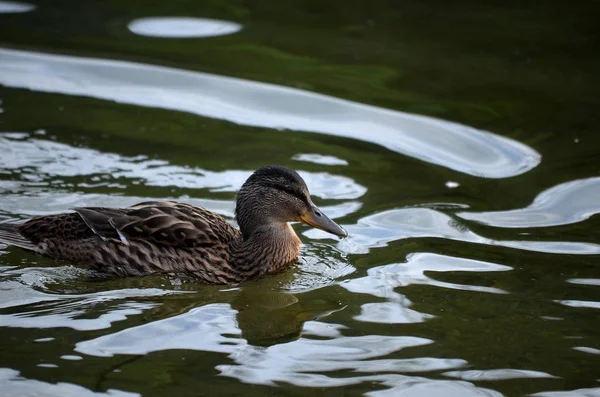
457,145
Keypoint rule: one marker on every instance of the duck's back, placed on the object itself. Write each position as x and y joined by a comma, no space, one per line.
145,238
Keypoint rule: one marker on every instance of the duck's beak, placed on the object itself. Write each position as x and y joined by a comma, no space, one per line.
316,218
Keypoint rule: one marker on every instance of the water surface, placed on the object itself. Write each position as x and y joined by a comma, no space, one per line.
457,145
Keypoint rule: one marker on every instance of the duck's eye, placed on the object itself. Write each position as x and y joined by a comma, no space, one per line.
288,189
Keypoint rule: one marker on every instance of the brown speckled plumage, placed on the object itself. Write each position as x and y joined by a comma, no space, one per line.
168,236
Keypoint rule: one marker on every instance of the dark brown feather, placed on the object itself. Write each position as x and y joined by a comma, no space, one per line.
146,238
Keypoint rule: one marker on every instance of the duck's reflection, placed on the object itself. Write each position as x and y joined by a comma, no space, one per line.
268,318
269,336
251,316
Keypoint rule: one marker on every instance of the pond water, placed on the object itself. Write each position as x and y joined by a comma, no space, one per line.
458,145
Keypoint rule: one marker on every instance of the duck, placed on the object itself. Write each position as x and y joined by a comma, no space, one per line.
174,237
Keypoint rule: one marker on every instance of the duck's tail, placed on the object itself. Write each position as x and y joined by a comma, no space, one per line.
10,235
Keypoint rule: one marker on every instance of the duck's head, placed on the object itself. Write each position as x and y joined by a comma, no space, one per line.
274,195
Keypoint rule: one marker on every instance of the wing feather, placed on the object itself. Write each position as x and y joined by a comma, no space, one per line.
162,223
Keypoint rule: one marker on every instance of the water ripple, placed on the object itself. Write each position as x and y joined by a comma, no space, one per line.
202,328
587,349
182,27
321,265
563,204
301,362
383,280
68,315
579,303
448,144
584,281
395,312
398,224
319,159
497,374
42,310
41,160
10,7
418,387
12,384
591,392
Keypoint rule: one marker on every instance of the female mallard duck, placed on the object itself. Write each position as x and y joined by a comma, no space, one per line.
167,236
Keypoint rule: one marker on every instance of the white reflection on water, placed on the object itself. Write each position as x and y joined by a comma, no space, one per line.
66,315
497,374
383,280
579,303
586,349
319,159
13,385
584,281
395,312
304,362
71,357
182,27
399,224
10,7
40,160
403,386
203,328
210,328
451,145
320,265
20,288
567,203
591,392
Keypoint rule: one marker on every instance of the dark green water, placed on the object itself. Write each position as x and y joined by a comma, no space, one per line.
457,143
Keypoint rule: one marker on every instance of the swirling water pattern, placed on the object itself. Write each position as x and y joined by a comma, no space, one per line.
440,289
249,103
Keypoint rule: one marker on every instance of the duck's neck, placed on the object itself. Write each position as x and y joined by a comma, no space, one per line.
268,249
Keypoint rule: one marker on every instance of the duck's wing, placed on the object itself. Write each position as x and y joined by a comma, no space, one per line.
161,223
66,227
